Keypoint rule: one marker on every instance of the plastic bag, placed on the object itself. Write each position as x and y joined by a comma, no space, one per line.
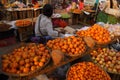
40,39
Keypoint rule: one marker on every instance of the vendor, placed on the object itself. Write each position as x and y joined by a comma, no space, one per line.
110,12
45,2
73,5
81,4
43,26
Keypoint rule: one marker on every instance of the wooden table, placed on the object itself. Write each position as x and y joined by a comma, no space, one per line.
82,18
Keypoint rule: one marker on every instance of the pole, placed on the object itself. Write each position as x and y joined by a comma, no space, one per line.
97,6
32,15
96,11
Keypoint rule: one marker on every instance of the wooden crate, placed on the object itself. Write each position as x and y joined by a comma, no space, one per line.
22,14
37,12
25,32
30,13
8,15
14,15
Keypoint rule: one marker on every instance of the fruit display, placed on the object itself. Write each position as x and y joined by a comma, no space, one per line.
77,11
7,5
72,45
98,33
113,29
23,23
108,59
86,71
25,60
36,5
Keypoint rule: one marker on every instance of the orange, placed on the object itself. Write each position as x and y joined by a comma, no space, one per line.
22,62
33,68
26,70
41,64
27,65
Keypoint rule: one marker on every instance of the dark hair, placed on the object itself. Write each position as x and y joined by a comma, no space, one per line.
48,10
82,0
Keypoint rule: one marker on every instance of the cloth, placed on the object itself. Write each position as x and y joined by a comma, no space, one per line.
46,27
38,39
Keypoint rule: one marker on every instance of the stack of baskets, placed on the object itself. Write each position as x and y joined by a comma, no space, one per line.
25,29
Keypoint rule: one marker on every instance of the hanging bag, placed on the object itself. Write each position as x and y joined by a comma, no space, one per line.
112,8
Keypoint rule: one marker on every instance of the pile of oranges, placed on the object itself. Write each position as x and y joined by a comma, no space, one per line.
70,45
98,33
86,71
25,59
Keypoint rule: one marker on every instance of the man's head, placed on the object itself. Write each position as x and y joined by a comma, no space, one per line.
48,10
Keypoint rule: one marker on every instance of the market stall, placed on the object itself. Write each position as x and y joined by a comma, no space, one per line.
98,41
15,14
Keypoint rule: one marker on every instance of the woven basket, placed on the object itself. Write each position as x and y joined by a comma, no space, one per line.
23,23
83,76
104,68
26,76
14,15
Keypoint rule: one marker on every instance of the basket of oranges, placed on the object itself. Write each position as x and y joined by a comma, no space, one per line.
23,23
100,35
86,70
71,46
25,60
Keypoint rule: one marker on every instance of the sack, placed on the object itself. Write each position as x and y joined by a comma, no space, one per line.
40,39
114,12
